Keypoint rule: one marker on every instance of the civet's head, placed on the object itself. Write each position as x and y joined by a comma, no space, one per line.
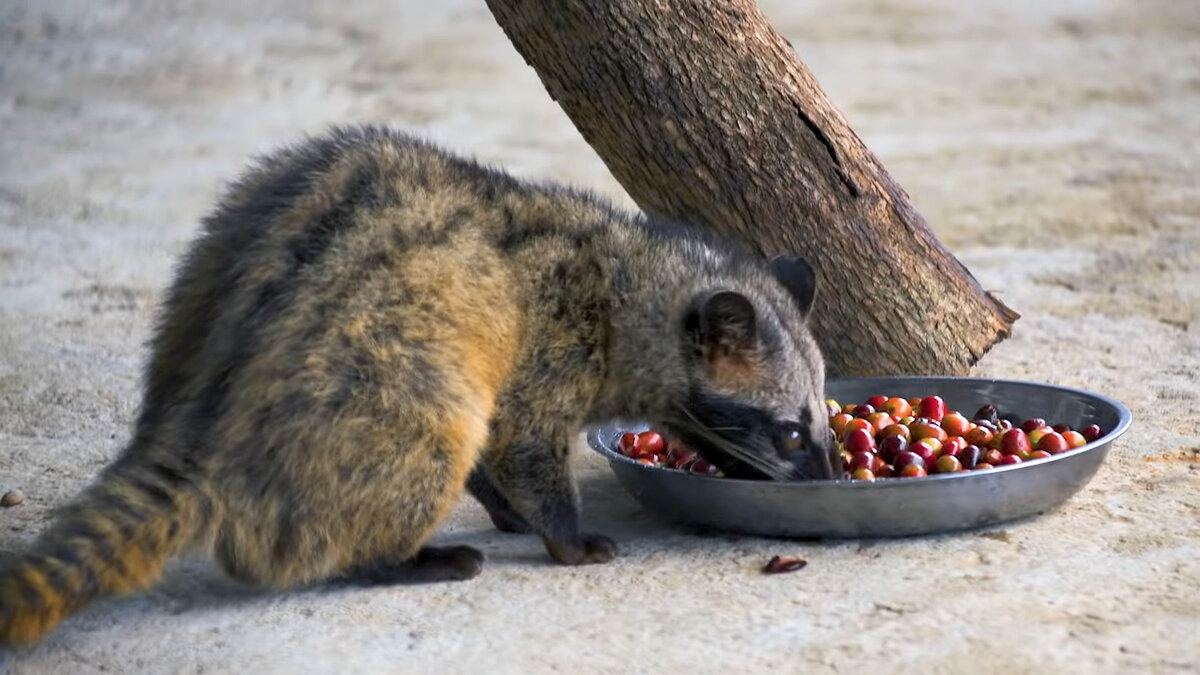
756,379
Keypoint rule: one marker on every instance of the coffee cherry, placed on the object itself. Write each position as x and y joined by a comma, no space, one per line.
894,430
897,407
983,466
880,420
1074,439
926,430
931,443
890,446
1038,454
1035,436
625,445
878,466
1015,441
649,443
862,474
838,423
970,456
862,460
947,464
679,458
1032,423
979,435
1010,459
955,424
953,446
932,407
906,458
1061,428
913,471
855,424
863,411
876,402
992,456
926,450
1053,443
859,440
1091,432
833,407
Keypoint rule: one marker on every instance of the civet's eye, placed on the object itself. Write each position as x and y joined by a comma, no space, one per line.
793,438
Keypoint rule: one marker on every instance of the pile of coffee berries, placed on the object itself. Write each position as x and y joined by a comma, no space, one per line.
908,438
901,438
649,447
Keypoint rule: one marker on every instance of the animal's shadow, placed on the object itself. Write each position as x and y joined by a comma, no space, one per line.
192,584
196,585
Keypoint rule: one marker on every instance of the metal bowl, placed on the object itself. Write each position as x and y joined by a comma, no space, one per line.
888,507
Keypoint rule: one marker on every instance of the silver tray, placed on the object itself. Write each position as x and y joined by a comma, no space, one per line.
888,507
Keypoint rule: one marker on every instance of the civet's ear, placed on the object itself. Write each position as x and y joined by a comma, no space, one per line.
798,277
723,324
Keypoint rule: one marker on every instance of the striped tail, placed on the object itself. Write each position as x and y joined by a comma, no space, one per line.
115,538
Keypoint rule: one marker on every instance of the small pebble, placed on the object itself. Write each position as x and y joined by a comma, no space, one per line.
12,498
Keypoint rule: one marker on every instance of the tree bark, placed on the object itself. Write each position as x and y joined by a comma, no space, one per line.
704,114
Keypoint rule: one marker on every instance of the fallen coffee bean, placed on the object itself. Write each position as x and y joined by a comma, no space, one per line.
780,564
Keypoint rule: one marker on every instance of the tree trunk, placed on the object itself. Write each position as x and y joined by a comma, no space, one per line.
704,114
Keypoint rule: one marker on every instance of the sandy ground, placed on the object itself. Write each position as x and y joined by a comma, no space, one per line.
1053,146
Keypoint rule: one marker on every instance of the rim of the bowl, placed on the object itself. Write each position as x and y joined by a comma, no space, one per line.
1124,419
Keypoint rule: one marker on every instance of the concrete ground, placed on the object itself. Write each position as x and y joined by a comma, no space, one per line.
1054,146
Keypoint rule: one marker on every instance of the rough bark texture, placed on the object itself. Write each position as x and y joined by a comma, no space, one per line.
705,114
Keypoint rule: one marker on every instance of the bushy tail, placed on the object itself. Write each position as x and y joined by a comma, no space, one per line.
115,538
